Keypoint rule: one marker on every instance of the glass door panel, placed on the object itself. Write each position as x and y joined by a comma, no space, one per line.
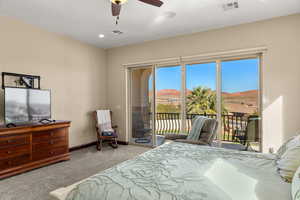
201,96
240,100
228,91
168,101
141,106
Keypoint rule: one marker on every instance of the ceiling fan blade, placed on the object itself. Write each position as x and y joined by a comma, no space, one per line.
115,9
157,3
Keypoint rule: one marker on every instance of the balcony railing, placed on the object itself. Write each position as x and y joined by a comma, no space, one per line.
171,123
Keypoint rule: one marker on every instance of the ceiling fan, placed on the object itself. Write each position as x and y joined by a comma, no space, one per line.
116,5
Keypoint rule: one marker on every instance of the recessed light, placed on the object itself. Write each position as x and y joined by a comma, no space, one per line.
101,36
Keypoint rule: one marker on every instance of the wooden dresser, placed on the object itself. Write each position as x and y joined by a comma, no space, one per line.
31,146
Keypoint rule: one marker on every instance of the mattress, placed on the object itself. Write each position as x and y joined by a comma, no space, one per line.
179,171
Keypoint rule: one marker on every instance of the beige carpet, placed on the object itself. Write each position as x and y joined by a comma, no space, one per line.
36,184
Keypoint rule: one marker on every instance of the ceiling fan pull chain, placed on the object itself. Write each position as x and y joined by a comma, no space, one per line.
117,21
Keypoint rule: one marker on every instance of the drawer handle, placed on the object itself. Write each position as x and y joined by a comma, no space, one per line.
51,153
8,152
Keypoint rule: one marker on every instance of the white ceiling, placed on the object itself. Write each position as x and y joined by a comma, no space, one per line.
84,20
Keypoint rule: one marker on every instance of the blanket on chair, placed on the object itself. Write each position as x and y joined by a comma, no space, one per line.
104,121
196,128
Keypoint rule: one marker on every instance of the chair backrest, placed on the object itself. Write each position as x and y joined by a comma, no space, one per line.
103,120
252,130
209,131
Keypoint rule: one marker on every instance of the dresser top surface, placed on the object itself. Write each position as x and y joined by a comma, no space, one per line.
4,128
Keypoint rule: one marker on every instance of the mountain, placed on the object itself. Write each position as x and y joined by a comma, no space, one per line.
249,93
168,92
176,93
245,101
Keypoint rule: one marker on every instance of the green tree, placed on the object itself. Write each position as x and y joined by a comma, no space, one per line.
167,108
203,100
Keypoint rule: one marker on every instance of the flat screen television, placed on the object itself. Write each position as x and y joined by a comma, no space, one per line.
26,105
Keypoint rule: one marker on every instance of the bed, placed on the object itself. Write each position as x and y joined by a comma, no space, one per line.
179,171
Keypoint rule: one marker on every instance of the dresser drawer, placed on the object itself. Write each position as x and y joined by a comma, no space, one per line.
49,144
12,141
4,164
43,136
14,151
38,155
15,161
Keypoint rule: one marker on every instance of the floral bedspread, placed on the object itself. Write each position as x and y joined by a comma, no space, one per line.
179,171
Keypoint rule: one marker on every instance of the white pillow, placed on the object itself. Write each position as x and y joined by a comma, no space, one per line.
288,163
296,185
284,147
290,143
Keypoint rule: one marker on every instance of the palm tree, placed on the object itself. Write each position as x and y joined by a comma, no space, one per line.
203,100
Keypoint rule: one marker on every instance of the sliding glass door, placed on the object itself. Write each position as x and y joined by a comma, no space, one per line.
240,100
165,100
141,109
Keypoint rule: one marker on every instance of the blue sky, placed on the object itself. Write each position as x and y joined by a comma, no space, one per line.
238,75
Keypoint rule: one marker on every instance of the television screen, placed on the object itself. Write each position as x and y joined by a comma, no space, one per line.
27,105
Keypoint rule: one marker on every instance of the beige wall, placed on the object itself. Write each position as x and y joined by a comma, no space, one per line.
75,72
83,78
280,73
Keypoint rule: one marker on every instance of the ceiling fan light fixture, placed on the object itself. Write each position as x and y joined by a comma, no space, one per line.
116,6
118,2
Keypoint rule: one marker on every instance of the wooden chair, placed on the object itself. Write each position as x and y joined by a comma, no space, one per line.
207,135
100,138
250,134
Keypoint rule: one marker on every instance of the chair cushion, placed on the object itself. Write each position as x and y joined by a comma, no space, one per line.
205,137
174,136
109,134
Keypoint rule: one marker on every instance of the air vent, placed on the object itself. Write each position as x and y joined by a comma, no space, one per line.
117,32
231,5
